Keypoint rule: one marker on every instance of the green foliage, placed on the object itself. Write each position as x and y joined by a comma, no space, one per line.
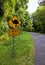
24,16
8,13
20,10
27,26
9,8
39,19
14,8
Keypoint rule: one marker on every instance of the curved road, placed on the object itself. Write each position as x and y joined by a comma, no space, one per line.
39,48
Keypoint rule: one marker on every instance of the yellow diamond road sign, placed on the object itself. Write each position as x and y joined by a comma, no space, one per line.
14,22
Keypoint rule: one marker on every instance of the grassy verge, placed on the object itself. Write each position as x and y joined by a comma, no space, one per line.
23,47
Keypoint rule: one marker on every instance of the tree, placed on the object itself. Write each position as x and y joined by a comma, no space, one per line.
39,19
1,8
22,13
8,13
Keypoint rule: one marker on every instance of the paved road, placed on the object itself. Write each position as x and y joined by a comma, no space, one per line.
39,48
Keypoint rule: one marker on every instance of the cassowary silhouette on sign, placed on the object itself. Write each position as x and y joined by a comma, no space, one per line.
15,22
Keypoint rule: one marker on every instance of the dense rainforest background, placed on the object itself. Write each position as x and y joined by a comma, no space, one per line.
10,8
39,19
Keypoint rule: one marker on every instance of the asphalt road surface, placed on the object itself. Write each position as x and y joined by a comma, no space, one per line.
39,48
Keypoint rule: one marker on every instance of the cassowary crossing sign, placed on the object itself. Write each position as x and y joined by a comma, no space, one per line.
14,22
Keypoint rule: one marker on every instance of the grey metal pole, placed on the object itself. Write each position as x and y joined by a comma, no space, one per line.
13,47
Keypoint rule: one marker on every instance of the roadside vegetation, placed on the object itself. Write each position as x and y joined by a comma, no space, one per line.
23,50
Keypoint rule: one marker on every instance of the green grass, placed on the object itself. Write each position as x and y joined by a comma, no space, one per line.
23,47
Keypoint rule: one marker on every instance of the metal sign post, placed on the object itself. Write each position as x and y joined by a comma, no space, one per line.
13,47
14,22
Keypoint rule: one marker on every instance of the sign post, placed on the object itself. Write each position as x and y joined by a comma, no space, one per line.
13,24
13,47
